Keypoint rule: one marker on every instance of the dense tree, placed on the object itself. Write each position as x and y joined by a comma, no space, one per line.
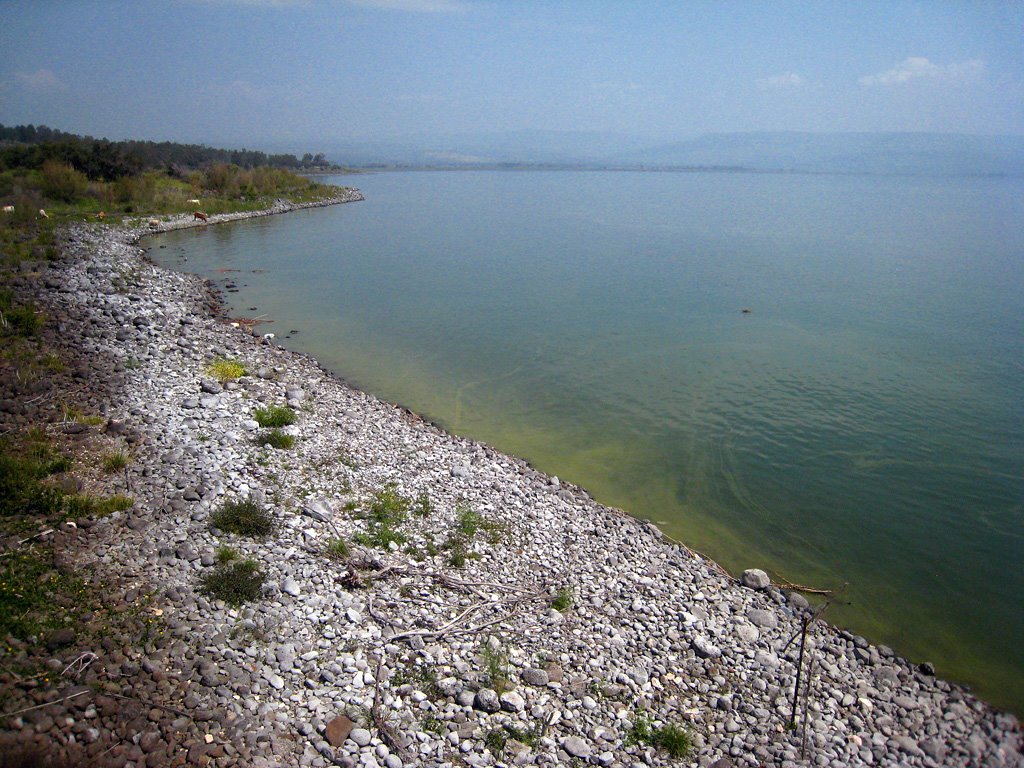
30,146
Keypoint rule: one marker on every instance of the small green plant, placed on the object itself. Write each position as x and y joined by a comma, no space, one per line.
676,740
18,320
235,582
422,506
226,554
336,549
495,741
224,369
468,525
433,725
563,600
496,662
244,517
387,510
530,738
84,505
274,416
116,461
275,438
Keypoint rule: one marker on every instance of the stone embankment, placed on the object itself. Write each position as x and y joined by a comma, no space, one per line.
501,617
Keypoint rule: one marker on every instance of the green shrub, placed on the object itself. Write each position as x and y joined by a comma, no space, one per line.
62,182
226,554
244,517
274,416
235,582
275,438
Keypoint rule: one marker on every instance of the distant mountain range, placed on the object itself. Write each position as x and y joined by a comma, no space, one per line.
877,153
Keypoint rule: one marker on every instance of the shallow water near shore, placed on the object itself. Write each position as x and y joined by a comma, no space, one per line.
862,424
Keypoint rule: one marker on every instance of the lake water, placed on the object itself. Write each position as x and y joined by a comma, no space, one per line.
862,424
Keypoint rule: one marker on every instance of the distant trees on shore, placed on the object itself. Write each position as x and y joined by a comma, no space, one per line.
32,147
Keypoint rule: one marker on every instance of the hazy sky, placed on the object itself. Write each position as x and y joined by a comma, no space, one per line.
318,71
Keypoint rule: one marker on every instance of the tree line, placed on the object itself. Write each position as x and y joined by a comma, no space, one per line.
31,146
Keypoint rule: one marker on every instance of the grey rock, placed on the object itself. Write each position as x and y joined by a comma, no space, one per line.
360,736
512,702
762,618
575,746
533,676
755,578
487,700
705,648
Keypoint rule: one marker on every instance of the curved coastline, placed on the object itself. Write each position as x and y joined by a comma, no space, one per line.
655,628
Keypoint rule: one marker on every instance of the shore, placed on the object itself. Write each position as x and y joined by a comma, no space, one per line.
510,619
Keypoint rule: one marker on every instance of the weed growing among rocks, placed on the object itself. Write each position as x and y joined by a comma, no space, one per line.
422,507
224,369
674,739
563,600
336,549
496,662
244,517
116,461
235,582
387,510
467,526
275,438
274,416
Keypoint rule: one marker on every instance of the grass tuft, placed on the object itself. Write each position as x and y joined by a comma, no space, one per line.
116,461
244,517
275,438
274,416
674,739
336,549
235,582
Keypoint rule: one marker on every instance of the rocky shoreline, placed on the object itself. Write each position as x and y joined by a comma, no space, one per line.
505,619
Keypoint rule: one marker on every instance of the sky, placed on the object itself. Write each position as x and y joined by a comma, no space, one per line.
269,73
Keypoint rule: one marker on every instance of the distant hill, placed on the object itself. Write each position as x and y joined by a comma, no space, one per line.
913,153
878,153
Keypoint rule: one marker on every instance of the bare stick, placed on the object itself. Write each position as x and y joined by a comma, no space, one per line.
48,703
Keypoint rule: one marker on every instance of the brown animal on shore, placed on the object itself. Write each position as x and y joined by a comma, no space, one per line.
101,215
154,223
200,216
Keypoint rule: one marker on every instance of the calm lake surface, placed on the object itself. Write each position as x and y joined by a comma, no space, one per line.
863,424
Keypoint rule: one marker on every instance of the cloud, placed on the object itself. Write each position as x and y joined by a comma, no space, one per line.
777,82
920,68
415,6
40,80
